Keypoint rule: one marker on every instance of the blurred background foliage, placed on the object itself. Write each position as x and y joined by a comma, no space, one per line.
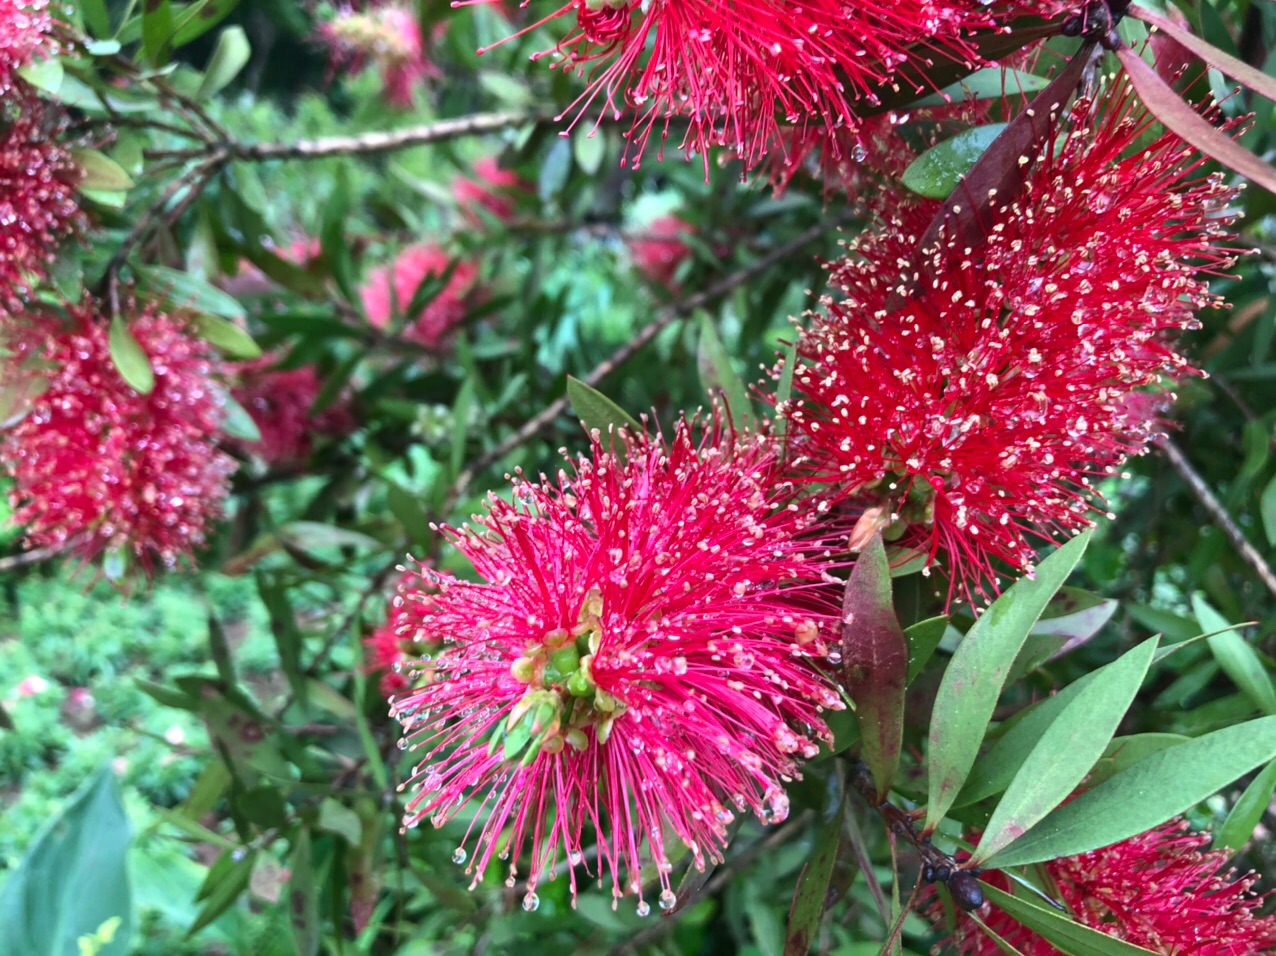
235,705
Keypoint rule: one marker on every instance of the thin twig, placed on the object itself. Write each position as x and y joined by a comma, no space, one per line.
666,317
1192,478
34,556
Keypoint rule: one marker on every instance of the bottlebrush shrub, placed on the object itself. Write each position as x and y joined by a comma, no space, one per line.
739,72
1160,890
37,192
491,189
279,401
98,467
387,35
965,400
635,660
24,33
389,291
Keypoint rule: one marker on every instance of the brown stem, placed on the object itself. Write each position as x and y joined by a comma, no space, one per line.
1209,501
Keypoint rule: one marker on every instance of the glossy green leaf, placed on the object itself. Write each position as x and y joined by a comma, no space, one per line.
199,18
72,878
98,172
1238,829
596,411
187,291
1236,656
1123,752
935,173
231,55
227,336
1062,931
875,662
590,147
1267,510
46,74
225,882
129,358
923,640
718,375
1147,794
157,30
973,681
990,83
1067,750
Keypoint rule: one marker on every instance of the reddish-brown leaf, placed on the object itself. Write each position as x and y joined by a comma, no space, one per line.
1239,70
875,662
1183,120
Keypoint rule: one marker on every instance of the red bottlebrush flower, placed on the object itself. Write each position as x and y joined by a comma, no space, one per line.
37,195
400,649
1160,890
741,71
633,661
390,290
279,402
492,189
390,37
659,250
98,467
967,402
24,33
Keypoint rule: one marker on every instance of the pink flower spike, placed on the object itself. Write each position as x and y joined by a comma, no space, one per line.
391,289
634,661
491,188
658,250
279,402
24,34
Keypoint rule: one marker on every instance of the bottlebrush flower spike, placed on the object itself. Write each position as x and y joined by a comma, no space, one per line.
389,35
98,467
390,290
739,71
972,398
658,250
24,33
402,648
1160,890
37,195
279,402
634,661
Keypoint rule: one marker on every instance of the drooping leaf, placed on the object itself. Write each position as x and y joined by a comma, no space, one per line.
1182,119
811,893
129,357
1067,750
596,410
973,681
1064,932
227,336
1267,510
1236,656
1224,62
875,662
1147,794
199,18
717,374
72,878
1244,817
229,57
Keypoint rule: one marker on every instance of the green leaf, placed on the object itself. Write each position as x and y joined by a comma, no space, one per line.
1147,794
336,817
219,649
990,83
157,30
1267,510
590,147
129,358
303,898
229,57
1062,931
227,336
596,411
284,629
96,17
46,74
875,662
1238,828
199,18
72,878
1123,752
461,423
808,907
227,878
1236,656
973,681
187,291
98,172
923,640
555,170
315,535
239,423
936,172
1067,750
717,374
784,388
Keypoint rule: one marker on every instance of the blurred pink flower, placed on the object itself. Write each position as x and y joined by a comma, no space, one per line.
24,33
658,250
491,188
389,36
390,290
279,402
634,660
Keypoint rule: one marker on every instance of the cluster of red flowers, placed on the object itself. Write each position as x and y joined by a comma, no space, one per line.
1160,890
25,34
635,657
96,465
279,401
965,400
390,290
388,35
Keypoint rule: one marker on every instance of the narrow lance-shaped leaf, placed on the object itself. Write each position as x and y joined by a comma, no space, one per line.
875,662
1236,656
1239,70
809,896
1183,120
130,359
1146,794
596,410
1062,931
1068,749
1238,828
977,672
